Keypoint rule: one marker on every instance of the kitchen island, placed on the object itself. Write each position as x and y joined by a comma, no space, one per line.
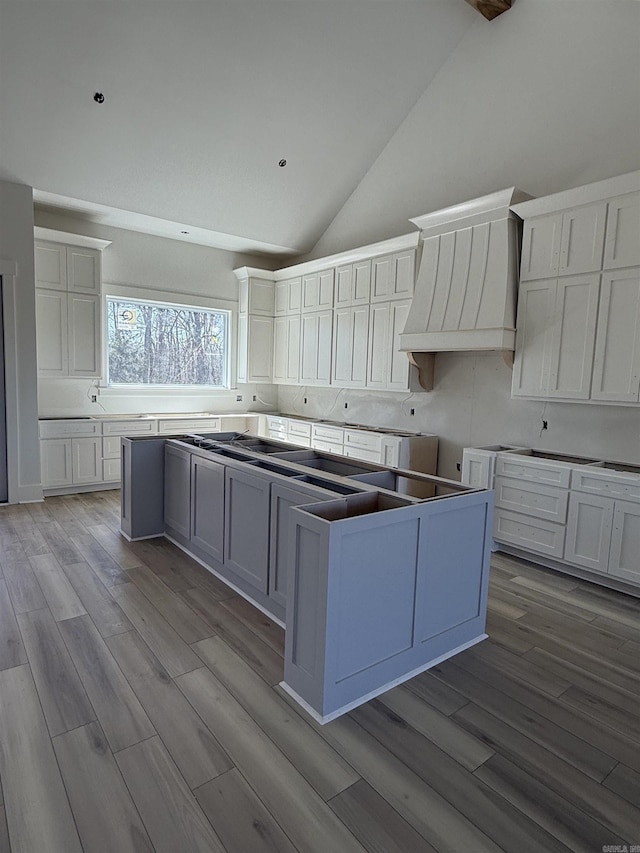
372,584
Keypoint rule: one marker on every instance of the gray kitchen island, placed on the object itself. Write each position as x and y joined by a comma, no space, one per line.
372,583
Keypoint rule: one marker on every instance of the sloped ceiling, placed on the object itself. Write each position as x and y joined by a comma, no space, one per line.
203,99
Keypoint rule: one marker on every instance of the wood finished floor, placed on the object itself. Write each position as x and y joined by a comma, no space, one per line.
139,711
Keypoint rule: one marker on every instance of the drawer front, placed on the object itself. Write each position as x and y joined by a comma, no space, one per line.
613,484
178,425
278,434
299,440
111,447
111,470
535,499
332,434
361,453
370,441
69,429
329,446
141,426
533,470
300,429
530,534
276,422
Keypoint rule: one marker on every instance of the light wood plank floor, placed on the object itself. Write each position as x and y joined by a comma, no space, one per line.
140,710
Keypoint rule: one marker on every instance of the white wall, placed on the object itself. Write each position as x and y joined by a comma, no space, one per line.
16,245
545,97
152,266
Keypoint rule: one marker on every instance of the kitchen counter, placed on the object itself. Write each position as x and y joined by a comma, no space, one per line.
372,584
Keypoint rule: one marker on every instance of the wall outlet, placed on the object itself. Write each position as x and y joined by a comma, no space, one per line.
94,398
412,411
238,398
346,405
255,397
305,401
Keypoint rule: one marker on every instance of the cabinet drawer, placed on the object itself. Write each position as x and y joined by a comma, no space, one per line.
275,422
601,481
111,447
299,429
140,426
370,441
278,434
111,470
362,453
530,534
329,446
331,434
533,499
69,428
534,470
178,425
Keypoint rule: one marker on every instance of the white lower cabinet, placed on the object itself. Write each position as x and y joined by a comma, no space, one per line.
55,462
589,531
71,461
624,557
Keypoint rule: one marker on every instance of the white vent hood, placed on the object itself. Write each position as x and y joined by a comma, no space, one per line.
465,292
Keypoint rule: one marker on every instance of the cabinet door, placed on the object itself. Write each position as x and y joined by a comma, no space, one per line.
259,348
51,265
280,327
582,241
589,523
573,337
361,283
478,468
51,333
541,247
207,506
84,334
86,460
536,302
325,289
378,360
246,543
83,269
282,499
342,346
403,274
315,348
177,490
624,559
359,348
286,353
621,245
381,278
344,286
55,462
310,295
398,378
616,371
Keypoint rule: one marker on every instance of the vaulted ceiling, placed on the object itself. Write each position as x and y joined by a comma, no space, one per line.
204,99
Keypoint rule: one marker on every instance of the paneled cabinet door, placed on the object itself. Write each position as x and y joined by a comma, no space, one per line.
55,462
316,335
589,524
541,247
379,349
624,559
573,336
207,506
51,265
246,534
51,332
84,334
399,369
83,269
353,284
288,296
255,348
536,302
582,242
317,290
350,336
621,245
86,460
286,349
392,276
177,490
616,370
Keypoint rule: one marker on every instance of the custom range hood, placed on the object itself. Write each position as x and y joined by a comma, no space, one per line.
465,291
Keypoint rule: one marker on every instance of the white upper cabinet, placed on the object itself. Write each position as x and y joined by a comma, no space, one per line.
288,296
622,241
350,337
353,284
616,372
387,365
392,276
316,336
317,291
578,327
286,349
68,308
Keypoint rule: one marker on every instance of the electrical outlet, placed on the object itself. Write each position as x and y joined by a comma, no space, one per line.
545,425
305,401
255,397
346,405
238,398
412,411
94,398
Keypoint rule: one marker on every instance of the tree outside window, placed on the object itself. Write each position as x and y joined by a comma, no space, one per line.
154,343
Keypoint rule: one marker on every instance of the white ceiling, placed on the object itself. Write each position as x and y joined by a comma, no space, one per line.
203,99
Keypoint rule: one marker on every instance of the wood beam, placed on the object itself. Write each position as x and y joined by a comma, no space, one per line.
490,8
